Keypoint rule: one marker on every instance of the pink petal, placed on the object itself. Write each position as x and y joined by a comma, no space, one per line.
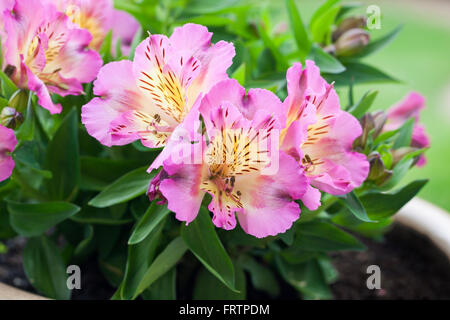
118,93
269,206
125,27
8,142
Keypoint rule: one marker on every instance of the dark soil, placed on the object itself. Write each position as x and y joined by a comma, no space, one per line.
411,268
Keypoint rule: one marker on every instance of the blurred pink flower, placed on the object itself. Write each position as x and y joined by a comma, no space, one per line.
7,144
410,107
148,98
46,52
320,135
234,166
99,17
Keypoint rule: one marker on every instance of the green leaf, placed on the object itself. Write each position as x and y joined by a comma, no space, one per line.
31,154
26,130
45,268
326,62
261,276
281,60
209,6
63,159
383,205
239,74
165,261
360,73
364,104
139,259
307,278
98,173
298,29
137,39
322,21
405,134
8,87
106,48
208,287
320,235
164,288
32,219
127,187
201,238
352,203
6,231
152,217
378,44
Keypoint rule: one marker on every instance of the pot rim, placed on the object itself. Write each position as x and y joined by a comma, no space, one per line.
429,220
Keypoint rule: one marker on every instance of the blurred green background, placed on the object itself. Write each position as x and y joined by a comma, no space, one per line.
420,58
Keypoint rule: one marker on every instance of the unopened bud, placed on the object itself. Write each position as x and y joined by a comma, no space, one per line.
19,100
377,167
352,42
379,119
384,178
347,24
367,123
11,118
399,153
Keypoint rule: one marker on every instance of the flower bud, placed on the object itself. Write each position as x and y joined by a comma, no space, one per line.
352,42
398,154
10,118
384,178
379,119
347,24
19,100
367,124
377,168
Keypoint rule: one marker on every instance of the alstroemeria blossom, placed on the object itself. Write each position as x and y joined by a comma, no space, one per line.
148,98
320,135
8,142
241,168
99,17
46,52
410,107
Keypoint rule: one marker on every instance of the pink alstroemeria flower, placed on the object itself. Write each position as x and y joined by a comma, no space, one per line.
99,17
8,142
240,129
46,52
148,98
320,135
410,107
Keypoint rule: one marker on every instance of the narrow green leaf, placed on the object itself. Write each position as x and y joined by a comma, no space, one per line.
360,73
152,217
378,44
139,259
32,219
307,278
404,134
127,187
261,276
63,159
326,62
352,203
364,104
201,238
323,20
298,29
383,205
165,261
239,74
320,235
7,86
208,287
45,268
164,288
281,60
